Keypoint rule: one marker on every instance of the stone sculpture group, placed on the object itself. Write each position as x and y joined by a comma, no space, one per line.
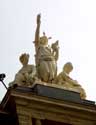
45,69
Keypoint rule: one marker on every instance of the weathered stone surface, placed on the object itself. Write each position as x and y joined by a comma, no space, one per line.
35,106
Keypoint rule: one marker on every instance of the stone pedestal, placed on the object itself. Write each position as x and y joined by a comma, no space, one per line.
45,105
34,107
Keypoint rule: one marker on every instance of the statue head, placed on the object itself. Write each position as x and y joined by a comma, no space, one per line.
68,67
24,58
43,39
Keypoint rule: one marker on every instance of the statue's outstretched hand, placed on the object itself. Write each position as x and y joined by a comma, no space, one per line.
38,18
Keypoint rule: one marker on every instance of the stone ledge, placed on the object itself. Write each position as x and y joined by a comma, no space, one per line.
55,92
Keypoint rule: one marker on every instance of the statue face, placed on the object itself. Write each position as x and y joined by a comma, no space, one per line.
68,67
43,40
24,58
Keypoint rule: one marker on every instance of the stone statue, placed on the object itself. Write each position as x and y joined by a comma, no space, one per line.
45,70
27,74
46,57
64,79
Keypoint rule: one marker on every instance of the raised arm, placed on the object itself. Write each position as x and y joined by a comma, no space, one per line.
37,33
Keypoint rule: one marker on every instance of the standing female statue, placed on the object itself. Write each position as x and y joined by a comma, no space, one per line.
46,56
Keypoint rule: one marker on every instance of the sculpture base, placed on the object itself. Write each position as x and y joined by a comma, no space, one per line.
56,93
51,91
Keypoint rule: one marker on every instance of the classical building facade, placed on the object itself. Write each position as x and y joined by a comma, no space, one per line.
45,105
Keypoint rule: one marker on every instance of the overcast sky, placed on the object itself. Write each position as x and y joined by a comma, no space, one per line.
72,22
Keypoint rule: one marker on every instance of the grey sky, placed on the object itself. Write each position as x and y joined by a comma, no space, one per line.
72,22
